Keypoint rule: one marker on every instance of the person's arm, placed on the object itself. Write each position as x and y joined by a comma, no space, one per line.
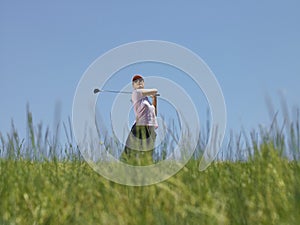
154,103
152,93
149,92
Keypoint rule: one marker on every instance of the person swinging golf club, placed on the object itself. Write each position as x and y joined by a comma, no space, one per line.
141,139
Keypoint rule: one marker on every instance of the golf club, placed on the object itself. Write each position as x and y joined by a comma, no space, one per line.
96,90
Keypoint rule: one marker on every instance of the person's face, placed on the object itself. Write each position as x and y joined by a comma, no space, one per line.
138,83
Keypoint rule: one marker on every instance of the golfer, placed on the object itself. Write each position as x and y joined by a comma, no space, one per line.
141,139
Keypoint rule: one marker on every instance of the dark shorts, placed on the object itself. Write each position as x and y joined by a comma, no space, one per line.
142,132
140,142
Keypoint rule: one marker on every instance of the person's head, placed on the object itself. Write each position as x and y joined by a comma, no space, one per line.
137,82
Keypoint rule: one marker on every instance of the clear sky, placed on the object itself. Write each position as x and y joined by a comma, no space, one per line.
253,48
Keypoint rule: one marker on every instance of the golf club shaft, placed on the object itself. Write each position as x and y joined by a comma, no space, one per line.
113,91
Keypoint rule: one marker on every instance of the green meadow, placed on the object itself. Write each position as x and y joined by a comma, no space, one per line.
254,180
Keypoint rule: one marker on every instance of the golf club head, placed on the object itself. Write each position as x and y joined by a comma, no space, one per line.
96,90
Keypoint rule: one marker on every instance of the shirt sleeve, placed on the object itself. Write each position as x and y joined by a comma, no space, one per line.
136,96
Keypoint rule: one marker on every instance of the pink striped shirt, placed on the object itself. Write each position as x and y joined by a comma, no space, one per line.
143,109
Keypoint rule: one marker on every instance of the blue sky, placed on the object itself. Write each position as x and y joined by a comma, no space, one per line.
252,47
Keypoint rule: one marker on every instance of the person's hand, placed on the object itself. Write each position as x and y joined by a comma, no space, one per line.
154,102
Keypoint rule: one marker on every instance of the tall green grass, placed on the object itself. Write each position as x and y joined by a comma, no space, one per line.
255,180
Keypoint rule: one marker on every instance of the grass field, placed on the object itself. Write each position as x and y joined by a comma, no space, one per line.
37,186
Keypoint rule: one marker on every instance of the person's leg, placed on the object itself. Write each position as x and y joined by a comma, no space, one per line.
151,138
139,146
132,153
126,154
140,151
148,141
